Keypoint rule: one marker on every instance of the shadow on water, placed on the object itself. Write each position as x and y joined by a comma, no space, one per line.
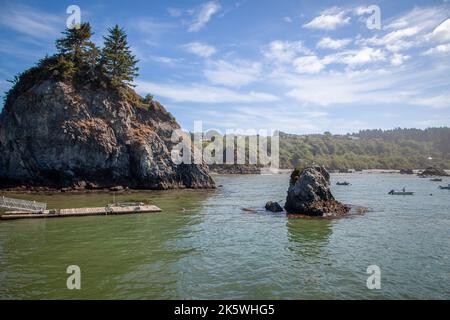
119,256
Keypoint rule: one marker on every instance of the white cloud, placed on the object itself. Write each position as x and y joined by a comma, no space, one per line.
174,12
424,19
235,74
308,64
442,32
328,20
328,43
438,50
266,116
412,84
287,19
413,29
166,60
285,51
400,34
437,102
203,15
395,40
363,56
401,45
359,11
200,49
202,93
358,57
398,59
341,88
305,61
315,114
32,22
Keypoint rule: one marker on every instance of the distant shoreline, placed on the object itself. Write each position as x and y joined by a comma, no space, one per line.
47,190
281,171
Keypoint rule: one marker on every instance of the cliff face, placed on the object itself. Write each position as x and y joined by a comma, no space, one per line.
57,136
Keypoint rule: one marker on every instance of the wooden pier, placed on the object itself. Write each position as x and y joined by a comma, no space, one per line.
80,212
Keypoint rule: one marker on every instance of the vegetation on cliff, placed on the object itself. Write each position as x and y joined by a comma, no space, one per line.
73,121
81,63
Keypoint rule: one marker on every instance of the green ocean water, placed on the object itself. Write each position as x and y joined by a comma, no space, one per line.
203,246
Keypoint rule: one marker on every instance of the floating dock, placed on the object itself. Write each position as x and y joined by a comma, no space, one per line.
80,212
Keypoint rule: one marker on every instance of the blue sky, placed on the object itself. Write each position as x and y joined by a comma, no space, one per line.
297,66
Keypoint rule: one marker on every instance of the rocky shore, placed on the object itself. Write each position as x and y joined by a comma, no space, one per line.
234,169
57,136
431,171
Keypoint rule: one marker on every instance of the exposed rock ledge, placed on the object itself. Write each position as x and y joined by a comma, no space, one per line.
433,172
54,135
309,194
235,169
273,206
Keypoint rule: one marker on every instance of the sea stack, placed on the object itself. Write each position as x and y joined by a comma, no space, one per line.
58,135
309,194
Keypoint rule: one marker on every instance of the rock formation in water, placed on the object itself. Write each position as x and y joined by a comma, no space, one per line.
309,194
57,135
273,206
235,168
431,171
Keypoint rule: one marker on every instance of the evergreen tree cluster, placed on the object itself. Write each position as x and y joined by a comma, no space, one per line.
79,60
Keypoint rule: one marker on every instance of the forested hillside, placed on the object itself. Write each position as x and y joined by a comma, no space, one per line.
369,149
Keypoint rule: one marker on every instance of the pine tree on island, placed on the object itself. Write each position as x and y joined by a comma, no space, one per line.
117,62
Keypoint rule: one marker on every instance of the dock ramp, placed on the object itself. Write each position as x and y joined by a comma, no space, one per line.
25,205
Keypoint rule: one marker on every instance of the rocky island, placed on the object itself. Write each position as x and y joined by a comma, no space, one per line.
432,171
309,194
74,121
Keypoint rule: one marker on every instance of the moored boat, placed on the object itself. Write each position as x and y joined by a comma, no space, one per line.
401,193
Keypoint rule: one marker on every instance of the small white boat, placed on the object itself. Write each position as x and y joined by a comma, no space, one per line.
445,188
